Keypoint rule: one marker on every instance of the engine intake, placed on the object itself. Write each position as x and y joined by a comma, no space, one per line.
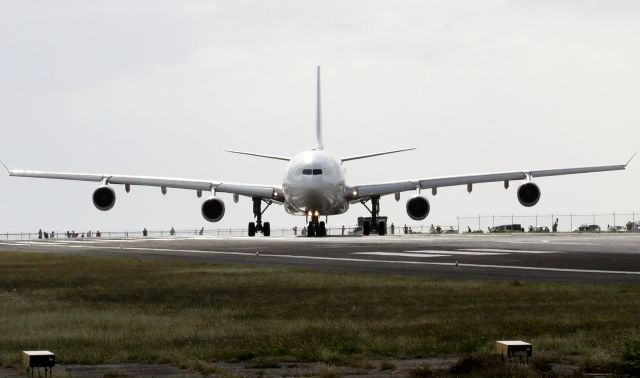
104,198
213,209
418,207
528,194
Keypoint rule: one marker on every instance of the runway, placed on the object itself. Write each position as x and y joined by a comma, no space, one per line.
590,258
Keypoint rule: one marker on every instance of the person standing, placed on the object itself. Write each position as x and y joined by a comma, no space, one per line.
343,229
393,228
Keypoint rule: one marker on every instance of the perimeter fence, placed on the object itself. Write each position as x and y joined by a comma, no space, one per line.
611,222
215,232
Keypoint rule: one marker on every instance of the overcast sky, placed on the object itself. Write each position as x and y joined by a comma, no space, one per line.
163,87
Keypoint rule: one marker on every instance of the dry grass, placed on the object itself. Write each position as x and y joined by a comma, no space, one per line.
93,310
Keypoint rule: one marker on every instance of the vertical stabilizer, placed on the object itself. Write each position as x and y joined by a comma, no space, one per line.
319,145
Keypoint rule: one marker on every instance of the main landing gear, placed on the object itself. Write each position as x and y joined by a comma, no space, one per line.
316,228
258,226
375,225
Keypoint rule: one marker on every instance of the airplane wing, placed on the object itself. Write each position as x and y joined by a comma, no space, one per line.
257,191
358,192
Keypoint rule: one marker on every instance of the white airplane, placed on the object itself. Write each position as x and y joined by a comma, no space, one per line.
314,185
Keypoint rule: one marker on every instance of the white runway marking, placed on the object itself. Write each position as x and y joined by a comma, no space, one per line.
542,241
467,252
33,243
401,254
508,250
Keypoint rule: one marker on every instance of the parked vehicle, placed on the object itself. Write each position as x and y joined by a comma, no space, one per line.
507,228
589,228
538,229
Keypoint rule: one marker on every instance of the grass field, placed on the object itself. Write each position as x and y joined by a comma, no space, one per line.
94,310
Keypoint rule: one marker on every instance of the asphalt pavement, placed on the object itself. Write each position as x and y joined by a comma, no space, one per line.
592,258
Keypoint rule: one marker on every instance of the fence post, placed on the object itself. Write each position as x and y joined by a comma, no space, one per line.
458,219
571,222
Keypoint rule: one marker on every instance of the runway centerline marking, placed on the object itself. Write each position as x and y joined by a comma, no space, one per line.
508,250
466,252
401,254
542,241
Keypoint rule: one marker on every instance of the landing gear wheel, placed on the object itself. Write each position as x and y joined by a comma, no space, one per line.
382,228
366,228
266,229
252,229
322,229
311,230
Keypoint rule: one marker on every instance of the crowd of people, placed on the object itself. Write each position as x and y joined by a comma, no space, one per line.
68,234
89,234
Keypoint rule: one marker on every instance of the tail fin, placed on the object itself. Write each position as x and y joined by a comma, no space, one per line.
319,145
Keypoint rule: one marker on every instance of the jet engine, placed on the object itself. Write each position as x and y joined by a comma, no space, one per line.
213,209
528,194
418,207
104,198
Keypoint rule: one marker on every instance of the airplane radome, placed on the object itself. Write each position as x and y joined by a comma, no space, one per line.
314,186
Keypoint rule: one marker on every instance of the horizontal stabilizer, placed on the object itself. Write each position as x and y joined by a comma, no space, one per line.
259,155
375,154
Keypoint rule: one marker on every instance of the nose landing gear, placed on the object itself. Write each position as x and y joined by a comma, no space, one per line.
258,226
316,227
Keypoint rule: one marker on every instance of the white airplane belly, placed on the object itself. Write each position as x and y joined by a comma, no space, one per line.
326,198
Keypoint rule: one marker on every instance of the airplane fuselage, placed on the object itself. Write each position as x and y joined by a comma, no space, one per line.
314,184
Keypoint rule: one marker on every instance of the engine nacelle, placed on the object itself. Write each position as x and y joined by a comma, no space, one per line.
418,207
528,194
213,209
104,198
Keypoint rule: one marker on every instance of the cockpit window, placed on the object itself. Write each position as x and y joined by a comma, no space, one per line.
308,171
